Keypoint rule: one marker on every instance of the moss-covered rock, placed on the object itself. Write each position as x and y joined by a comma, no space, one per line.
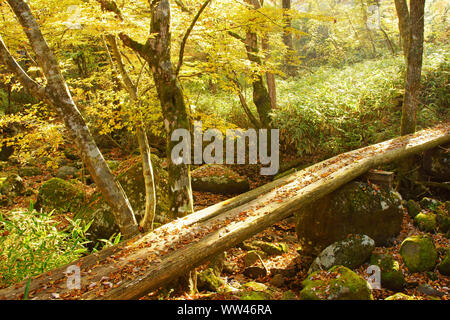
288,295
400,296
30,171
443,219
12,186
270,248
351,253
254,286
339,283
355,208
426,221
60,195
391,274
208,280
444,265
218,179
255,295
413,208
418,253
254,291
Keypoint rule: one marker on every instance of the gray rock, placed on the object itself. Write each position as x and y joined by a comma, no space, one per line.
429,290
350,253
66,172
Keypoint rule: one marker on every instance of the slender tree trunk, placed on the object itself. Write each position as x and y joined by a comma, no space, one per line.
290,67
404,25
270,77
144,147
56,93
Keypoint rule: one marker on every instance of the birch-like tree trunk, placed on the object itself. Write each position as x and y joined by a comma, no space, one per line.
150,190
56,94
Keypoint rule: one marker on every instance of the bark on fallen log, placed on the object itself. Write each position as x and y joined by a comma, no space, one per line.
146,263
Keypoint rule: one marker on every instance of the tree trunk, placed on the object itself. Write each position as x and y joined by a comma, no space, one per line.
414,67
56,93
404,25
156,52
261,96
270,77
290,67
144,147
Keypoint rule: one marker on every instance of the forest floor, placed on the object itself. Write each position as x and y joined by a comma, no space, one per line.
293,265
284,272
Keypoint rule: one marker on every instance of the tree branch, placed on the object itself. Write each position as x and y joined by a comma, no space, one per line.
11,63
186,36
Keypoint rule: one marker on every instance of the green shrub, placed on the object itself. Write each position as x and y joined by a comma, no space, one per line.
30,244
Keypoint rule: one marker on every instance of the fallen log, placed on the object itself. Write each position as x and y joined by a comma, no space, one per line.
145,263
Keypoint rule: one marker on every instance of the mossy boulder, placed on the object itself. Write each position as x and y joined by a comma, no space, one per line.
30,171
355,208
413,208
392,277
444,265
271,249
255,295
254,286
12,186
254,291
60,195
400,296
132,181
418,253
426,221
443,219
339,283
208,280
351,253
218,179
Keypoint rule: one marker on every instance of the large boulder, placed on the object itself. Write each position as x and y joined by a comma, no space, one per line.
391,274
60,195
418,253
436,162
218,179
355,208
350,253
133,183
339,283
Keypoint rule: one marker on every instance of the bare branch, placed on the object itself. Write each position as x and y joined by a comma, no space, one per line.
186,36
